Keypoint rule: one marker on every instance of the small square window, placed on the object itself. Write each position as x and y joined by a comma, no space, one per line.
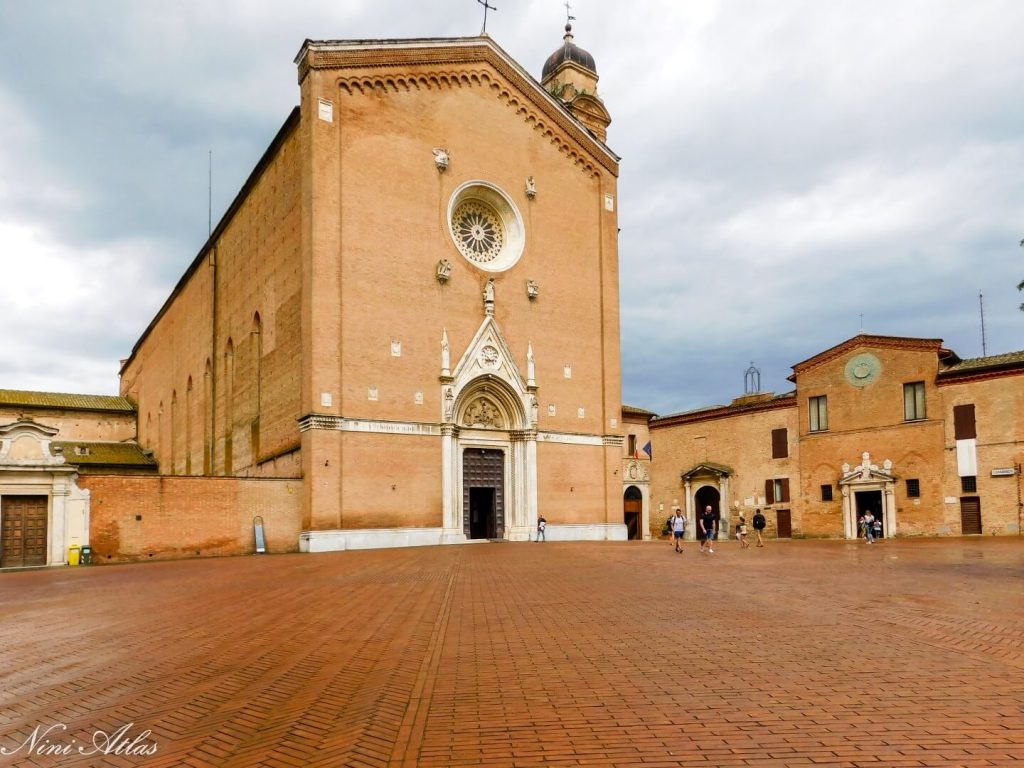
913,489
969,484
826,493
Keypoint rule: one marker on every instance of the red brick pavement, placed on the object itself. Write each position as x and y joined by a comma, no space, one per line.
908,653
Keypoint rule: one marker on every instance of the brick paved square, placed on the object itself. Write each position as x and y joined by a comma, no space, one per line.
909,653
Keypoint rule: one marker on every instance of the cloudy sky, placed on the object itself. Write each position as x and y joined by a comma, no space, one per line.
787,167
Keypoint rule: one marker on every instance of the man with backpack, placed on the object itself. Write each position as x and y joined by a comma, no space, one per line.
759,523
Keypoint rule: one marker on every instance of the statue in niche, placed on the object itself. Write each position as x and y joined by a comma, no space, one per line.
489,291
449,403
445,353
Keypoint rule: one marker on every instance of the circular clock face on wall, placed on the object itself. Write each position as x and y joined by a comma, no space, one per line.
863,369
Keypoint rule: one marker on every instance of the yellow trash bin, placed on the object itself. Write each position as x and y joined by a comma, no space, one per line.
74,554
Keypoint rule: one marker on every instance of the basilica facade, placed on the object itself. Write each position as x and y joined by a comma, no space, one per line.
411,306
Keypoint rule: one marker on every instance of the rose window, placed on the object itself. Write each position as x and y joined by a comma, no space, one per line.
485,226
478,231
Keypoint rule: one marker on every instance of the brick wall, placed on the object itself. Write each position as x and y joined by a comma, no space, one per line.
742,442
225,393
189,516
77,425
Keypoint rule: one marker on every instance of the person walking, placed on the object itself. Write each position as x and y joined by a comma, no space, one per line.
542,526
869,527
678,524
708,528
741,532
759,524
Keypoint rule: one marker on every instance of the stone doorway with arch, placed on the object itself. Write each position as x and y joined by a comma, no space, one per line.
489,441
636,495
708,496
703,485
868,486
632,512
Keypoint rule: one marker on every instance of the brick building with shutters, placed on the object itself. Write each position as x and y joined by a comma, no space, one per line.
902,427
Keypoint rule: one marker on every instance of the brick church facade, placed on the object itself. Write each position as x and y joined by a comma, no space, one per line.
411,307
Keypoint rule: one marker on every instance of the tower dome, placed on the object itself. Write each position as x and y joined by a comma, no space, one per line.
568,51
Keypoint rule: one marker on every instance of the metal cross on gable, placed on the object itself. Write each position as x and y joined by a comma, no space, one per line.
486,6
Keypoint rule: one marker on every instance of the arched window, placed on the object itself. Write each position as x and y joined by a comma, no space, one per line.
208,418
188,426
174,432
256,355
229,405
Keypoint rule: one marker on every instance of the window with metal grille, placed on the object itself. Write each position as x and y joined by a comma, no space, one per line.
913,401
826,493
969,484
913,489
818,407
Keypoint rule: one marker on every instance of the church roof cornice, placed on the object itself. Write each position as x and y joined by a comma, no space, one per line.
866,340
64,401
710,413
337,54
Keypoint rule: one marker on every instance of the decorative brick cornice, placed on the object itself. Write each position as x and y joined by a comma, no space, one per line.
613,440
404,65
872,342
962,377
318,421
724,411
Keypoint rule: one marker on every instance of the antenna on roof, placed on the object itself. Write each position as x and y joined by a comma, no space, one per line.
209,198
861,323
752,380
981,308
484,3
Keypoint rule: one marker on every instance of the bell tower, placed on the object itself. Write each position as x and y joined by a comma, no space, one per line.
570,75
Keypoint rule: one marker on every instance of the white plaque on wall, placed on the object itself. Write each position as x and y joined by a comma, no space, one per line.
326,400
326,111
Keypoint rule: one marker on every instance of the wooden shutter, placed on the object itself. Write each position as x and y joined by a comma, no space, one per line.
769,491
785,489
963,422
780,443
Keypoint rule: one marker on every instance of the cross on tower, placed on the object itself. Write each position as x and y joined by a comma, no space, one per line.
483,31
568,12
